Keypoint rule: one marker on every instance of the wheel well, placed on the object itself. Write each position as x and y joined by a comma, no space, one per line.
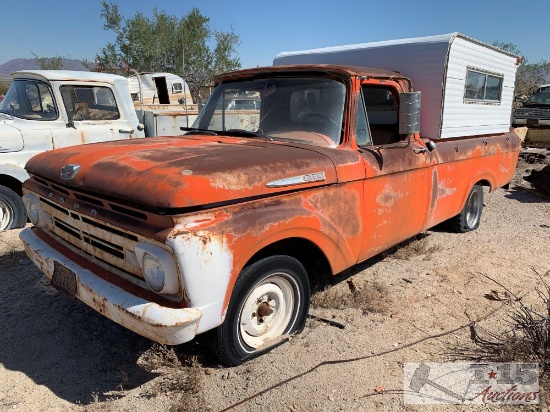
484,183
305,251
12,183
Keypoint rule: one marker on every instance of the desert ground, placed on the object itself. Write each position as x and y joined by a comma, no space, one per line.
413,303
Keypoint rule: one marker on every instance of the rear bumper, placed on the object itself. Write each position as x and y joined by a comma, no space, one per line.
161,324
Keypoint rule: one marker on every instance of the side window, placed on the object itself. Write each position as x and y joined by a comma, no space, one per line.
382,114
482,87
176,88
40,100
29,99
89,103
362,133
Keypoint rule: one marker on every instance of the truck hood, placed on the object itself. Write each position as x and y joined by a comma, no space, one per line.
11,139
181,172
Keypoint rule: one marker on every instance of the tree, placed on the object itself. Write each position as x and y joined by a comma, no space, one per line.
529,75
3,88
51,63
165,43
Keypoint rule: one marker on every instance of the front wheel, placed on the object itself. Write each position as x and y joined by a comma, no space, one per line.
12,209
470,216
270,300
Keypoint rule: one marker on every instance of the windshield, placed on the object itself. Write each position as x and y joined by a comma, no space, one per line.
302,110
539,98
29,99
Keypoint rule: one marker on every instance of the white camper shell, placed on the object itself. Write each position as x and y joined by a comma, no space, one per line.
467,86
159,89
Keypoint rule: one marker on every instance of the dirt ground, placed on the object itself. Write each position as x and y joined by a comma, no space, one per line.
59,355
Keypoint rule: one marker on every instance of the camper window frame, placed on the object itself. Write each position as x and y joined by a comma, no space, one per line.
487,74
177,88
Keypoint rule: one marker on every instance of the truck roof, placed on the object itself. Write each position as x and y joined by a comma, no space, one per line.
68,75
312,68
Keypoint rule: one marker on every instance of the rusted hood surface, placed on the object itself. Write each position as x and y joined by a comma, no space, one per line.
177,172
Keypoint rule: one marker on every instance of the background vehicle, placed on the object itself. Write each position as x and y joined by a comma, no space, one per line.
49,109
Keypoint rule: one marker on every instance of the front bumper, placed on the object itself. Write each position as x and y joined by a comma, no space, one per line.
530,121
170,326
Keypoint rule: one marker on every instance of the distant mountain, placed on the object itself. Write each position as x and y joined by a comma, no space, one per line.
30,64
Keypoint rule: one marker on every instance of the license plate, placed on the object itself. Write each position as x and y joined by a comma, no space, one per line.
533,121
64,279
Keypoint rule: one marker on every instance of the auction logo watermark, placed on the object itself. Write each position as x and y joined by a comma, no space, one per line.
471,383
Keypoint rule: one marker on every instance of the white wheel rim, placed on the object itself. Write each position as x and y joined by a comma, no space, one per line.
473,209
267,311
5,214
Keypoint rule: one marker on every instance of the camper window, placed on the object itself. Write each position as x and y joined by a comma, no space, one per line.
176,88
482,87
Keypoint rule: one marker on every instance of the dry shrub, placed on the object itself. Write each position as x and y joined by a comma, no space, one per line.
180,376
367,297
415,246
527,339
159,357
534,326
191,388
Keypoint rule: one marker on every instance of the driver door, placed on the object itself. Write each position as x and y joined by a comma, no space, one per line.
91,115
397,178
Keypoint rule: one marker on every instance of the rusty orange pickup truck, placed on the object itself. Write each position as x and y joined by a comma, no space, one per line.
220,229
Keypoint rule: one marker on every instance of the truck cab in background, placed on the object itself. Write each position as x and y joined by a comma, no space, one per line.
50,109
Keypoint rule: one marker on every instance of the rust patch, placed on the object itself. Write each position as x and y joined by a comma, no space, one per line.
443,190
342,208
389,196
434,191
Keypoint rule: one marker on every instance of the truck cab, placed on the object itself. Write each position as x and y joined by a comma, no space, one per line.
50,109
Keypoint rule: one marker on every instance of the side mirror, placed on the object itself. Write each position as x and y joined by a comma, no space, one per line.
409,113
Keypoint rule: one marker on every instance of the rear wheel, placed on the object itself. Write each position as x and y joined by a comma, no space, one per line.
470,216
270,300
12,209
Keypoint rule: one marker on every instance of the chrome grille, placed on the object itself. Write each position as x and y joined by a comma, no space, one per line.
104,242
532,113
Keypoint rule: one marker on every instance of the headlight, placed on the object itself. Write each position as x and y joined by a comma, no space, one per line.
153,272
159,268
32,211
36,214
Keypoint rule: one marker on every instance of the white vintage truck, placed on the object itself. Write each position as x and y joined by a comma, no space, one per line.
49,109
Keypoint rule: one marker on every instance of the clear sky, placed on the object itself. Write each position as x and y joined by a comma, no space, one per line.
74,28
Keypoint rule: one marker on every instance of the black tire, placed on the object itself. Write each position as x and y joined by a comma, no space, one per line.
470,216
281,280
12,210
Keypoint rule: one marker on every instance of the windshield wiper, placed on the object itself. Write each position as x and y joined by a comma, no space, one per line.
247,133
198,131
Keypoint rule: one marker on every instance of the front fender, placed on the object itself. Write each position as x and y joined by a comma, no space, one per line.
15,171
213,247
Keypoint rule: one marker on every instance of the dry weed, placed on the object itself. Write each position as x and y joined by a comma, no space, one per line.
526,340
367,297
191,388
158,358
415,246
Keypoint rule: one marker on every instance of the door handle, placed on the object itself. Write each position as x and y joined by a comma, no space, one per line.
128,131
420,149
